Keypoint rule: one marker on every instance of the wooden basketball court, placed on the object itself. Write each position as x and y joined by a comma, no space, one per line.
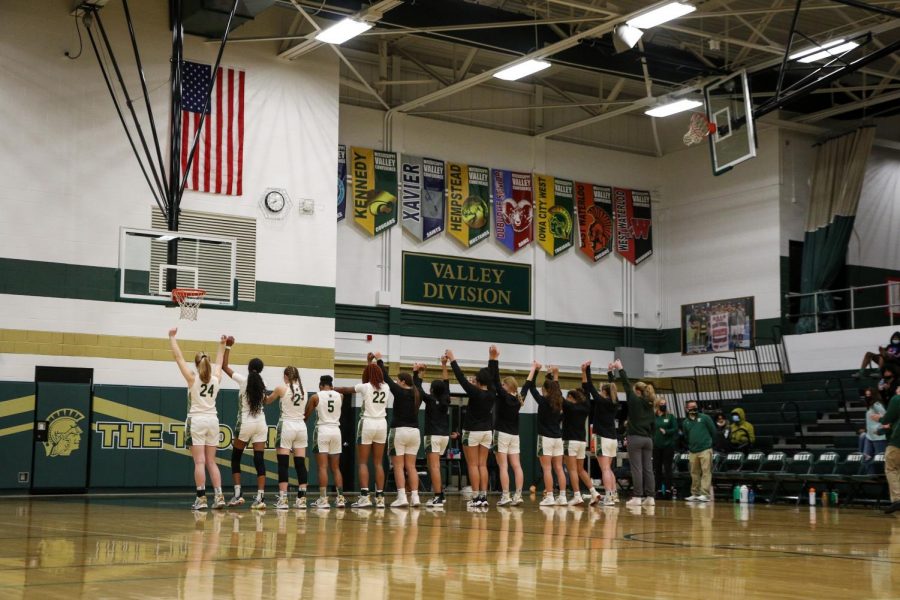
134,547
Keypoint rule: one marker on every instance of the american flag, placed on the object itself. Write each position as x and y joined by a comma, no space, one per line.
219,158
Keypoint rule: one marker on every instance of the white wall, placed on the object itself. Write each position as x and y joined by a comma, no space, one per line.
834,350
70,179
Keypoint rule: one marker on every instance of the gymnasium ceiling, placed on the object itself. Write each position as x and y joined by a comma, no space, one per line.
435,57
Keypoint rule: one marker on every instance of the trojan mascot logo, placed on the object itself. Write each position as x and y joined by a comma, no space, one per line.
63,432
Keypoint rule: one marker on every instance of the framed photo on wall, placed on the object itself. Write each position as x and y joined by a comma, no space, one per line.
717,326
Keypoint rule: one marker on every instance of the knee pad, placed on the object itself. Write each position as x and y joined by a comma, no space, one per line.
283,460
259,462
236,454
300,465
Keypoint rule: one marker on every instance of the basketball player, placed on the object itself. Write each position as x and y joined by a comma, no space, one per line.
404,437
506,434
550,445
605,405
437,427
202,423
477,428
327,439
251,428
371,431
576,411
292,436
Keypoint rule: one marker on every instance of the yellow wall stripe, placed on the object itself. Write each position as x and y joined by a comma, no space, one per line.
16,429
16,406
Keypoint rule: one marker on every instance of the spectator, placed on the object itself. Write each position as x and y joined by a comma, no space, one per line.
871,442
891,352
721,441
742,433
699,431
891,421
888,382
665,433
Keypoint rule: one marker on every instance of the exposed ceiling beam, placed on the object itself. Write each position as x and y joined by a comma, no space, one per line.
466,64
589,109
849,107
603,117
415,60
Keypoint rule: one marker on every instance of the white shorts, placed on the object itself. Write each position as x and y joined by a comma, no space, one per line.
547,446
291,435
202,430
604,446
327,440
478,438
369,431
506,443
253,431
437,443
404,440
575,448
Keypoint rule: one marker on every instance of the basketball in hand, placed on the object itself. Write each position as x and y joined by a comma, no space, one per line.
229,341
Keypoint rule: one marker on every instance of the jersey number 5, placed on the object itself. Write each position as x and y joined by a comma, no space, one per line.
331,406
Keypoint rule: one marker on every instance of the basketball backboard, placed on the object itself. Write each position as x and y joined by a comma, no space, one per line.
729,108
152,262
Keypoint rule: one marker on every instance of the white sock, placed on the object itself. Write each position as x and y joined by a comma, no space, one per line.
282,494
218,491
237,491
260,493
401,493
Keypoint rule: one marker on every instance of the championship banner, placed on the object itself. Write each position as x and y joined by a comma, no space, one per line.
717,325
595,224
422,181
373,185
634,239
469,202
342,183
555,213
513,208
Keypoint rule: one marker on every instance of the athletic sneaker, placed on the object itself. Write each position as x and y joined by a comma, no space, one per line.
282,503
649,501
634,501
236,501
322,502
548,500
504,500
595,497
362,502
435,502
379,501
259,503
483,503
692,498
300,502
414,500
340,501
517,499
400,502
702,498
199,503
609,500
561,500
576,500
219,501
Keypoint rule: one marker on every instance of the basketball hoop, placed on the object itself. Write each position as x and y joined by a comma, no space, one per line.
700,128
189,300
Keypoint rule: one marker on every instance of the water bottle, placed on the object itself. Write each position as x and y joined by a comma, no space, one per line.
736,494
834,498
674,493
812,496
824,498
751,497
662,491
744,494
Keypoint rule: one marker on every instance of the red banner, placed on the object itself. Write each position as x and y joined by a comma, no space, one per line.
634,236
595,222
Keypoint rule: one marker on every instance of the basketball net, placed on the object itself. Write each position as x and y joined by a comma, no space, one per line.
699,129
189,300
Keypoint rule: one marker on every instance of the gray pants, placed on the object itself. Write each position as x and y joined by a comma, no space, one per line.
640,457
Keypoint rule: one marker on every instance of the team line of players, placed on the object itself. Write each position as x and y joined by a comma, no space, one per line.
491,421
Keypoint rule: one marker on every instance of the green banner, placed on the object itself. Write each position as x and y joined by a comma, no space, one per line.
433,280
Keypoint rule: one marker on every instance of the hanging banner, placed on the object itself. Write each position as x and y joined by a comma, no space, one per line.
595,224
469,201
373,185
513,208
555,213
422,196
342,183
634,238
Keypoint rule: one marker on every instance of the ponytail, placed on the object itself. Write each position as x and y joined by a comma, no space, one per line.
648,393
293,376
553,394
256,389
204,369
578,396
408,380
612,392
511,381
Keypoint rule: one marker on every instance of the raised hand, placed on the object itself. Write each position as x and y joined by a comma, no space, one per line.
586,365
536,366
444,360
618,364
449,354
370,357
377,355
493,352
173,332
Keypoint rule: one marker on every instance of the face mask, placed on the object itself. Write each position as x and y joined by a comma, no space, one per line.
692,411
895,341
735,419
663,408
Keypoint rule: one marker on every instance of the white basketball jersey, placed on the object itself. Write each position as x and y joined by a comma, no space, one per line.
293,404
203,396
374,402
243,403
328,410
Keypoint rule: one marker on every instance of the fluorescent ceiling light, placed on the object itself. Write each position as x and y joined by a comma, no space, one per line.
815,49
166,238
671,108
661,15
522,69
342,31
830,52
626,37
